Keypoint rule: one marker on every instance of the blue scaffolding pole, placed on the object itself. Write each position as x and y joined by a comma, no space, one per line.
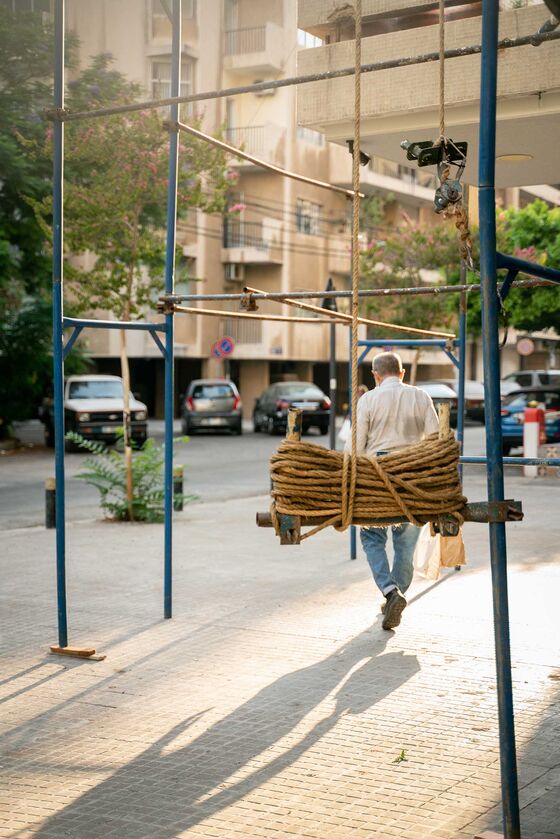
492,400
58,360
61,350
169,288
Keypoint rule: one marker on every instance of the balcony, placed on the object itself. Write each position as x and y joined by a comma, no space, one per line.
251,243
402,103
263,141
257,49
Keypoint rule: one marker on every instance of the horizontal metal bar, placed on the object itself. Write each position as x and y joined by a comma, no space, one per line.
512,263
406,342
515,461
114,324
475,511
506,43
365,292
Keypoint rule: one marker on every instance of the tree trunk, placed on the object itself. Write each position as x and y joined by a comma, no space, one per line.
125,373
414,368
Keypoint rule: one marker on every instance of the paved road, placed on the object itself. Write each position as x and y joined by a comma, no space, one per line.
218,467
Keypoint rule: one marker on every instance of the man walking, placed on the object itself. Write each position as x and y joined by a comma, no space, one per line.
389,417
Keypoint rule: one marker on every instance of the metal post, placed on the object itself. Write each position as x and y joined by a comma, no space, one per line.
498,549
169,287
58,361
462,363
332,387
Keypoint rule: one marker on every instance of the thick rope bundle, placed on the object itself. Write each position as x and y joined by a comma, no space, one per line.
419,480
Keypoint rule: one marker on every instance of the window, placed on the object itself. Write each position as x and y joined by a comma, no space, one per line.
307,41
161,25
307,217
161,81
308,135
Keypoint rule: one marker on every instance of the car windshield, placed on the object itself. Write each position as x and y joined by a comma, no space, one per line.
212,391
519,401
96,389
300,390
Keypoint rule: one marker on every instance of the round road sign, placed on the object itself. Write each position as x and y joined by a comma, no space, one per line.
525,346
226,345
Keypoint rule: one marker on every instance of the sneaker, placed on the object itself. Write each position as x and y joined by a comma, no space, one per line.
396,603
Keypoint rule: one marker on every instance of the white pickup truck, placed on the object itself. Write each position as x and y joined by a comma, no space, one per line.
93,406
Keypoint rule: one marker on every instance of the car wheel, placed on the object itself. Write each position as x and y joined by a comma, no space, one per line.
185,426
256,425
506,448
238,429
324,429
270,426
49,436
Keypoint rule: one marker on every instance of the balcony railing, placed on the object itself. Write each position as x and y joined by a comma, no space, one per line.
244,41
244,234
244,332
264,141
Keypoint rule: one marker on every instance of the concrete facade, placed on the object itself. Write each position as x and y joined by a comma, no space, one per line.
289,236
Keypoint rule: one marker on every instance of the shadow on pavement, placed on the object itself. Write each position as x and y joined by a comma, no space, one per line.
179,789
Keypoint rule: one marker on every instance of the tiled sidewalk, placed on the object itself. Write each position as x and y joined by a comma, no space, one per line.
273,704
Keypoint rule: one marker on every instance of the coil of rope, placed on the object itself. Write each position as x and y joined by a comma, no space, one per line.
419,480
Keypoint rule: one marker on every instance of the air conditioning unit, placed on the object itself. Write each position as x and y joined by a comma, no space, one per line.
234,272
269,92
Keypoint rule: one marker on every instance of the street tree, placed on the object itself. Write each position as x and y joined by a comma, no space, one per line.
26,61
115,204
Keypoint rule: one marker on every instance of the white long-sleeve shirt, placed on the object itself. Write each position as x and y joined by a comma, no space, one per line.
391,416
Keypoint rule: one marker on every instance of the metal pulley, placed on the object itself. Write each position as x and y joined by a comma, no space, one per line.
444,154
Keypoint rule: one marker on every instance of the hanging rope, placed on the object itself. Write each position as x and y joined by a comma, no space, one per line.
420,480
441,70
349,496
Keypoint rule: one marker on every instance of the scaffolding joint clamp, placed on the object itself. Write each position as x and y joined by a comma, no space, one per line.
166,305
172,127
248,302
56,114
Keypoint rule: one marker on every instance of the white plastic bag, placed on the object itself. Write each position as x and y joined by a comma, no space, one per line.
426,558
345,430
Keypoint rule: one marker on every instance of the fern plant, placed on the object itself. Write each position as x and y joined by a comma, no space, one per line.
105,470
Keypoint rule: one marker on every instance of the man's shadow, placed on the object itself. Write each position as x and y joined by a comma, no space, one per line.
198,780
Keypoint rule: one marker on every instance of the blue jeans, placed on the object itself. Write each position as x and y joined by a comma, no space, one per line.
374,540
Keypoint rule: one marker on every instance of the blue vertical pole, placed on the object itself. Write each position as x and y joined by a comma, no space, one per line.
462,364
353,550
58,361
169,287
495,469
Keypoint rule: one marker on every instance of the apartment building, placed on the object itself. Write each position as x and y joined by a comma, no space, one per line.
287,235
402,103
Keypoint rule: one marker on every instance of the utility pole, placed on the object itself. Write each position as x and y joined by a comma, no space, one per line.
329,303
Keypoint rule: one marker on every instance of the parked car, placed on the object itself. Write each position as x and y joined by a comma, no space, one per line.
93,407
211,405
529,378
513,414
474,397
271,408
441,393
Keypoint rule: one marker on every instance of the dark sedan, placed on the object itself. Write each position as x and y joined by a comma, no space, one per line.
271,408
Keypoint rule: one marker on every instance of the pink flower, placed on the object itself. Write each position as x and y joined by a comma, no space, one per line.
237,208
